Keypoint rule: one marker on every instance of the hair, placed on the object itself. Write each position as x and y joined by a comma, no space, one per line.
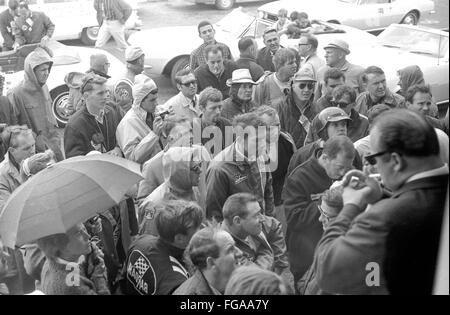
312,40
53,245
371,70
407,133
97,60
24,3
282,56
10,134
293,16
283,12
342,90
236,205
339,144
182,73
302,15
413,90
266,110
252,280
90,80
177,217
333,198
269,30
202,245
375,111
249,119
333,73
171,122
203,24
215,49
13,4
209,94
245,42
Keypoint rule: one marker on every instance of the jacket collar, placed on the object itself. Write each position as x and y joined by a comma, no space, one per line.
388,99
423,183
104,75
13,167
140,113
247,57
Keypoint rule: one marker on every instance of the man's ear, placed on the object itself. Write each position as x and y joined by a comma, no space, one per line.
399,162
210,263
179,87
236,220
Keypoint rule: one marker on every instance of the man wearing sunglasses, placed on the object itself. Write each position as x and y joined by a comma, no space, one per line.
405,149
297,112
185,103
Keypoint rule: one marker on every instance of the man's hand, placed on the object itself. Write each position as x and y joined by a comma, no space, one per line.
360,190
115,152
45,39
15,46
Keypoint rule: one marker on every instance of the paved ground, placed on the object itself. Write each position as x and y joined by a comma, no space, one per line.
159,13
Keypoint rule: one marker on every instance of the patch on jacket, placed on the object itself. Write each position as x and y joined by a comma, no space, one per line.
141,274
238,178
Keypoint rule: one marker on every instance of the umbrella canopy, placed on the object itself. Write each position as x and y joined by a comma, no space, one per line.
65,194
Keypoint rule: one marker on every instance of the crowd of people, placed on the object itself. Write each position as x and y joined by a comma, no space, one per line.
277,172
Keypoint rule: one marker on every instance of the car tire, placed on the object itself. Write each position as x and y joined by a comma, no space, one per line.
59,99
180,64
412,18
89,35
224,4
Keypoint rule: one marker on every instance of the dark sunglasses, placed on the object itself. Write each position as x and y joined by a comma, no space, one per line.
371,157
189,83
309,85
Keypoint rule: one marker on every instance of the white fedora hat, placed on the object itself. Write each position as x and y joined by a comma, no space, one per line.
240,76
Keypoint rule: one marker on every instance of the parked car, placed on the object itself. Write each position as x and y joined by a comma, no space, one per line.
398,46
222,4
76,19
369,15
65,59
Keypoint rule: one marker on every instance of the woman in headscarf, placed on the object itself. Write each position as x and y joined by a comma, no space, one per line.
413,75
182,169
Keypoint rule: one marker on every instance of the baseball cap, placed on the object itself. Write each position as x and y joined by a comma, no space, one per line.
133,53
304,74
339,44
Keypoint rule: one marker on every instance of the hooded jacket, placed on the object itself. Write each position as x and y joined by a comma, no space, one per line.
177,185
413,75
135,138
31,104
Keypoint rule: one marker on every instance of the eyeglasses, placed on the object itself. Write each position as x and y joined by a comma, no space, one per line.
323,213
371,157
303,44
302,86
189,83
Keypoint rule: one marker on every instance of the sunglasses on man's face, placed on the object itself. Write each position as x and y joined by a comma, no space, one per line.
310,86
341,104
189,83
371,157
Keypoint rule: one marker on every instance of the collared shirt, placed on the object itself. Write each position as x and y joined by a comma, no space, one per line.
198,55
364,101
443,170
183,106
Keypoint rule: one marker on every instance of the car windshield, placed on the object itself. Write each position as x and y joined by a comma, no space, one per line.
415,41
235,23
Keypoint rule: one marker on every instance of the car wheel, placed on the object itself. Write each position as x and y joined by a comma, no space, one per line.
180,64
60,108
224,4
89,35
412,18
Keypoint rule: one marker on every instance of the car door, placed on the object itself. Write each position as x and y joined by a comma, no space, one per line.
375,14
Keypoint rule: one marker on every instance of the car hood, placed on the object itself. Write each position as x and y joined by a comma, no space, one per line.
166,40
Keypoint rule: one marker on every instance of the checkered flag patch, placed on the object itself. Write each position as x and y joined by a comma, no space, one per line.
141,266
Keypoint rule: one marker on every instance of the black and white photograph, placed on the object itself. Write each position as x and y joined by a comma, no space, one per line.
218,149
